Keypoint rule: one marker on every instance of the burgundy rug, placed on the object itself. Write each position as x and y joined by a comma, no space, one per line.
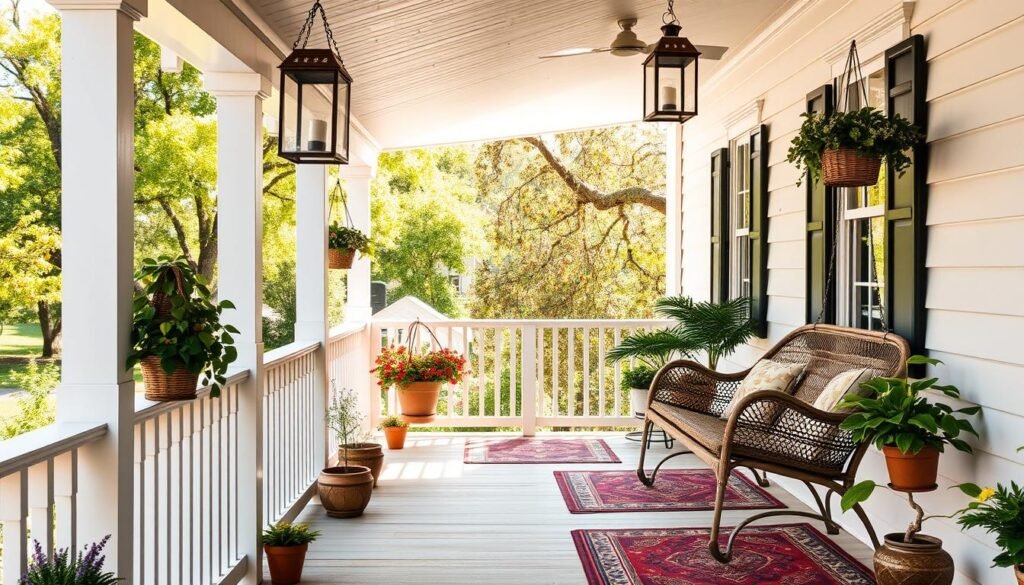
528,450
676,490
794,554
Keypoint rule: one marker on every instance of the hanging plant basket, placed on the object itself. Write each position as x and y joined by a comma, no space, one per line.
340,259
845,167
178,384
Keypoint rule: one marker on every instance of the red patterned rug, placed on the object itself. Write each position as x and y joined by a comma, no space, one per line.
528,450
794,554
676,490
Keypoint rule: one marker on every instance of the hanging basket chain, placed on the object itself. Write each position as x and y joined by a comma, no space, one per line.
414,335
669,17
307,28
343,197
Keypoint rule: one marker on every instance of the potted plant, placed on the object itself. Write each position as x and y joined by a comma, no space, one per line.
177,334
847,148
346,488
999,511
286,545
342,244
638,379
418,378
354,445
395,430
909,429
60,568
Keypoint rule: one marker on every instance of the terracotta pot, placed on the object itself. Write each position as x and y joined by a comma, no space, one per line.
845,167
369,455
395,436
912,472
638,401
162,386
419,401
338,259
1019,572
345,491
922,562
286,563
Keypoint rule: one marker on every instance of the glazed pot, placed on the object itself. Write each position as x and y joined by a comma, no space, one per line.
912,472
419,401
1019,572
345,491
638,401
370,455
286,563
922,562
395,436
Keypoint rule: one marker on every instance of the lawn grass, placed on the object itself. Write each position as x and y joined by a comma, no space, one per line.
21,340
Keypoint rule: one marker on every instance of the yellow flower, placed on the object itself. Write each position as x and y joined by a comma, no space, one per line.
986,494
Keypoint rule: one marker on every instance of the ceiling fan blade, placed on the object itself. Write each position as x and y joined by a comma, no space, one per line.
711,51
575,52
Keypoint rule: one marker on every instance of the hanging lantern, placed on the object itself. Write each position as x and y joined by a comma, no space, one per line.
313,126
670,75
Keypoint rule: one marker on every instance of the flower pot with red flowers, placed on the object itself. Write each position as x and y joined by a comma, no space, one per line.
419,376
395,430
286,545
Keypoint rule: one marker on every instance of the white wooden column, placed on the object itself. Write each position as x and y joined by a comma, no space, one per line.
240,263
357,185
97,217
673,209
311,296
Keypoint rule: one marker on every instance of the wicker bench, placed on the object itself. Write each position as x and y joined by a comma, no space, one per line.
770,431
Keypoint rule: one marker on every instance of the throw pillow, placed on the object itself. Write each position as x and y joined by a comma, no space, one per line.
765,375
838,387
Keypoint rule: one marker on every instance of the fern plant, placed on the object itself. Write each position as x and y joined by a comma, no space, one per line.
288,534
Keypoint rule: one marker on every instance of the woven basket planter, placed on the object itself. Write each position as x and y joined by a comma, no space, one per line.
845,167
338,259
162,386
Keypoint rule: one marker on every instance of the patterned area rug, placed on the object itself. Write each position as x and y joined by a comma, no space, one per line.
527,450
794,554
676,490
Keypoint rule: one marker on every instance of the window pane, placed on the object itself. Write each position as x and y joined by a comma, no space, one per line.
868,278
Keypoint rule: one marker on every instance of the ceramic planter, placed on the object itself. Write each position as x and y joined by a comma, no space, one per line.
345,491
638,401
922,562
340,259
419,401
845,167
912,472
369,455
285,563
395,436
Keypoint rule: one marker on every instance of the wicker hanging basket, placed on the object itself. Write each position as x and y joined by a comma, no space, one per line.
340,259
845,167
179,384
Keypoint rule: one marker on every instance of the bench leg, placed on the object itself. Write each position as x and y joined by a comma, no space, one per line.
645,437
760,478
825,507
716,523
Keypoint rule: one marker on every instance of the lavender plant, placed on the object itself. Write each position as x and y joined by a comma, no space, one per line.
62,568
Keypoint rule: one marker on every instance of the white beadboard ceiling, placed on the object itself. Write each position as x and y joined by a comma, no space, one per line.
433,72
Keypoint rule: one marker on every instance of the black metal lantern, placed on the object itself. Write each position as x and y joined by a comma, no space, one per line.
670,76
320,85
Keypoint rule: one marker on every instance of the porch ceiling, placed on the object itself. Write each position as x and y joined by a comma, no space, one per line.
431,72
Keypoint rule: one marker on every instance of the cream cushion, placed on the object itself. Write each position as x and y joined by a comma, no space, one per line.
765,375
837,388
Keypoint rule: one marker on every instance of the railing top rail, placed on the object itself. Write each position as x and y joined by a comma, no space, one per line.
339,332
530,322
147,409
45,443
288,352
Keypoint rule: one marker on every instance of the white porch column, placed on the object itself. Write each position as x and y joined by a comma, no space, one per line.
357,185
673,209
240,263
311,321
97,218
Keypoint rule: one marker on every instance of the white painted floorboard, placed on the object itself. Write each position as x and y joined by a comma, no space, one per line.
436,521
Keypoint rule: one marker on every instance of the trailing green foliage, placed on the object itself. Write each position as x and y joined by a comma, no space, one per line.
192,336
714,329
999,511
342,237
867,130
288,534
638,377
895,414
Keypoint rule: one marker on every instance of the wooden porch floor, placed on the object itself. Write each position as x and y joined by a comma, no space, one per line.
434,520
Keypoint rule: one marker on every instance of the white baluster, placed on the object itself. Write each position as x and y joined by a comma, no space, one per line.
14,516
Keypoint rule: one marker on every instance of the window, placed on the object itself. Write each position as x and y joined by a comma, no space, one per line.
739,218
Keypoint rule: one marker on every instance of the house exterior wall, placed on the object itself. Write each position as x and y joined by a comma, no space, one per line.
975,259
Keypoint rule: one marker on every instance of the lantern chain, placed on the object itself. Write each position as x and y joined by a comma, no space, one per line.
670,15
307,28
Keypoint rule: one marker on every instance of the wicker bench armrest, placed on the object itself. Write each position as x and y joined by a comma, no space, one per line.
690,385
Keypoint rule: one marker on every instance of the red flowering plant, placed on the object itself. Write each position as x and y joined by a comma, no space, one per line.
400,367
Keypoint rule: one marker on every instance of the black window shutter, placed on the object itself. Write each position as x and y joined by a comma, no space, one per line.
759,229
719,225
820,226
906,76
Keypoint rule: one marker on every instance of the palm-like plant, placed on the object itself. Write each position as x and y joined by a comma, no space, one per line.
715,329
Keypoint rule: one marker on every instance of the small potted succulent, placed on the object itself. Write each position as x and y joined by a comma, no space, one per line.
286,545
342,244
61,568
847,148
395,430
345,489
638,379
177,334
1000,511
419,378
909,429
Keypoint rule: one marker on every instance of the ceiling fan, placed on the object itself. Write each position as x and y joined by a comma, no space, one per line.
626,44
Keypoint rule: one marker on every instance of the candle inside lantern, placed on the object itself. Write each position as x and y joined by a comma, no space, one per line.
317,135
668,98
